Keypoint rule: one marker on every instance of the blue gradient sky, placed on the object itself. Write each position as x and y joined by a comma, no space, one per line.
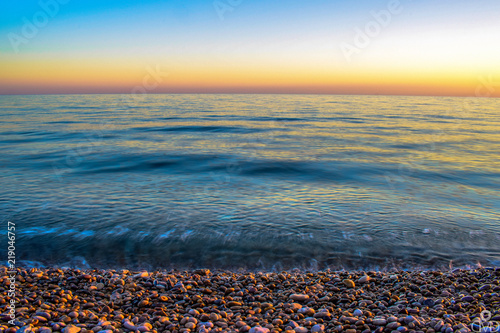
432,48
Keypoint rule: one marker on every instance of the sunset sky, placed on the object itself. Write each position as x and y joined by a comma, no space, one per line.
423,47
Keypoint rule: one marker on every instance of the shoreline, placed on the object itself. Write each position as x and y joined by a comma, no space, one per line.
199,300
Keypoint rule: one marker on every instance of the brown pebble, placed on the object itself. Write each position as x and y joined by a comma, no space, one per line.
71,329
73,314
214,317
299,297
349,283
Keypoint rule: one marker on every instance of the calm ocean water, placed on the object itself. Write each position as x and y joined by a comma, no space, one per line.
251,181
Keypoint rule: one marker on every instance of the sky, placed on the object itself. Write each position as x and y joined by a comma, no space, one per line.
390,47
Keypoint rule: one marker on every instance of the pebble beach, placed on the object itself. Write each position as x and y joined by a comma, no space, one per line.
71,301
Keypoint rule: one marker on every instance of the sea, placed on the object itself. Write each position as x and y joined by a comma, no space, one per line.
252,182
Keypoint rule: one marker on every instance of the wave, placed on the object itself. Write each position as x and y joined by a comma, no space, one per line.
185,247
202,129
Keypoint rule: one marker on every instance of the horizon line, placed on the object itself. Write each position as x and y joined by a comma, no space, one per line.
247,93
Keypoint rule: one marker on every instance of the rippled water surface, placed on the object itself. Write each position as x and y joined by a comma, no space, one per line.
252,181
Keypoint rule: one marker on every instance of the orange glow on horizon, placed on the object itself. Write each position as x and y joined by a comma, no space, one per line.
177,76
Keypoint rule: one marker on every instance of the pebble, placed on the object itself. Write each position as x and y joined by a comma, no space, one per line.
224,301
146,327
306,311
25,329
349,283
193,312
215,317
393,325
295,306
429,302
141,275
379,322
299,297
350,320
357,313
322,314
73,314
259,329
318,328
71,329
467,299
128,325
44,314
364,279
190,325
